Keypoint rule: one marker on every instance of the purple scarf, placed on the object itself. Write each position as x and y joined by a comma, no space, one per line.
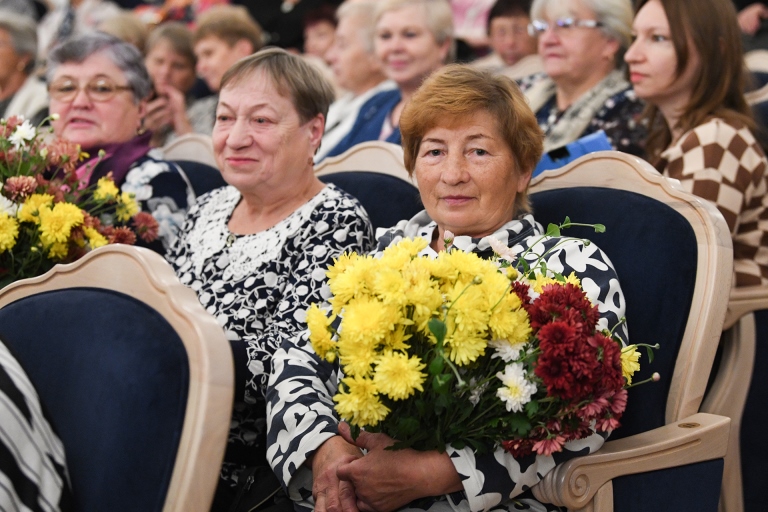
118,159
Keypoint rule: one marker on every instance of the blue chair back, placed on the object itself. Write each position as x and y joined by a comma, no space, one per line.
387,199
114,376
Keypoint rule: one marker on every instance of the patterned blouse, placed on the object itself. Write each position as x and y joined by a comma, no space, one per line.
258,287
722,162
301,416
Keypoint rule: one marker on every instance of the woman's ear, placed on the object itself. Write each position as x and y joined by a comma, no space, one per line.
523,181
316,128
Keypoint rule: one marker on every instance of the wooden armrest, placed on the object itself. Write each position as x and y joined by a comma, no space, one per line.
698,438
743,301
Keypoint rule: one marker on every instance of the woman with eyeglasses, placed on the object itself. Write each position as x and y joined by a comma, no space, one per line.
583,88
99,87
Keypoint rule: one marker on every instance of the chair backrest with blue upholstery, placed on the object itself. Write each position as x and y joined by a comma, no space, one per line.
673,255
137,378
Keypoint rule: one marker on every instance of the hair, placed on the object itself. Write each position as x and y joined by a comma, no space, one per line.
124,55
365,11
507,9
294,78
439,18
127,26
718,85
456,92
23,32
614,15
324,12
178,36
230,23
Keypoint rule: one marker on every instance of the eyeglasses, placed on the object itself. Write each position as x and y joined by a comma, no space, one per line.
537,27
99,89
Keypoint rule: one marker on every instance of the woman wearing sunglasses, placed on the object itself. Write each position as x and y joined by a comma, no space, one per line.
583,88
98,87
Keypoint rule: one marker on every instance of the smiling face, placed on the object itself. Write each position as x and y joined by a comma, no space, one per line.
90,123
467,176
166,66
259,140
215,56
579,54
407,48
653,61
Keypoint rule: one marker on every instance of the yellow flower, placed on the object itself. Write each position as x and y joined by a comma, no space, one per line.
508,319
464,349
398,375
396,340
341,264
389,286
397,255
360,405
355,282
29,210
58,251
127,207
630,358
9,231
367,319
56,223
542,280
319,335
106,190
95,239
470,310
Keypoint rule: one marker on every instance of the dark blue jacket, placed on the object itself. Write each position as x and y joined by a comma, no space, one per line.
369,121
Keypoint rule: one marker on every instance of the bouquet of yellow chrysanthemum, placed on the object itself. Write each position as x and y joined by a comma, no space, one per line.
467,351
46,216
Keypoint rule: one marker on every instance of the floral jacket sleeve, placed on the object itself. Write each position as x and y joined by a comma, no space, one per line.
300,410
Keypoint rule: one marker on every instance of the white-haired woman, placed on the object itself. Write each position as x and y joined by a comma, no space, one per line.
583,88
413,38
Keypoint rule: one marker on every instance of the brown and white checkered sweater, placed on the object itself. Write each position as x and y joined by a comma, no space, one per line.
721,161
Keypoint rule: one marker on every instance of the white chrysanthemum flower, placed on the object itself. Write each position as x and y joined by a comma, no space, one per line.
517,390
501,249
8,206
24,132
506,350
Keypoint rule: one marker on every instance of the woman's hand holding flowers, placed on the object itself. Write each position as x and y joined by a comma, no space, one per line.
330,493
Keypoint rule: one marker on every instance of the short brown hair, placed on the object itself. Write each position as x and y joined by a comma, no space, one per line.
230,23
294,78
178,35
455,92
718,85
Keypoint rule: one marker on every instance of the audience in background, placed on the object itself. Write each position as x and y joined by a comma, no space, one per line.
21,92
508,36
319,29
99,87
127,26
223,35
413,38
692,76
470,19
356,68
256,251
171,63
68,18
584,90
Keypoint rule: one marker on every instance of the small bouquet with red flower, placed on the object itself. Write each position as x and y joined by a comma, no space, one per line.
481,352
46,215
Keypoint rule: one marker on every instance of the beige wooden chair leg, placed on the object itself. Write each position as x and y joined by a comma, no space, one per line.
727,398
603,500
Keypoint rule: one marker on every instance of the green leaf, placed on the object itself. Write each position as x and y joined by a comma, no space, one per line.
440,384
567,220
437,365
532,407
443,402
438,328
599,228
406,427
553,230
650,354
520,424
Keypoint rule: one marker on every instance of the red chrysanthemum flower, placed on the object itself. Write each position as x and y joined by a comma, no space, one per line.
146,226
122,235
20,187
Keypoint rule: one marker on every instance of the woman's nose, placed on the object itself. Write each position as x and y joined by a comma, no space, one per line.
81,99
238,135
455,169
633,53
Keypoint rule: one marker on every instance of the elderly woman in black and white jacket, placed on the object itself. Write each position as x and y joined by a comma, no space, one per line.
472,142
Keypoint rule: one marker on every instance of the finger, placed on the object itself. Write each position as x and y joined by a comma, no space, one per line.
320,502
347,497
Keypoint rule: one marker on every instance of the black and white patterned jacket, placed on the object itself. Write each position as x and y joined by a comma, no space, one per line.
300,406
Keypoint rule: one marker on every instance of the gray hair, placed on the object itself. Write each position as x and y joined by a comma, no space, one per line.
439,18
615,16
23,32
364,11
293,77
123,55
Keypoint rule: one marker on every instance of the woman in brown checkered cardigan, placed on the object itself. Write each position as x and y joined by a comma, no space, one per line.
702,128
